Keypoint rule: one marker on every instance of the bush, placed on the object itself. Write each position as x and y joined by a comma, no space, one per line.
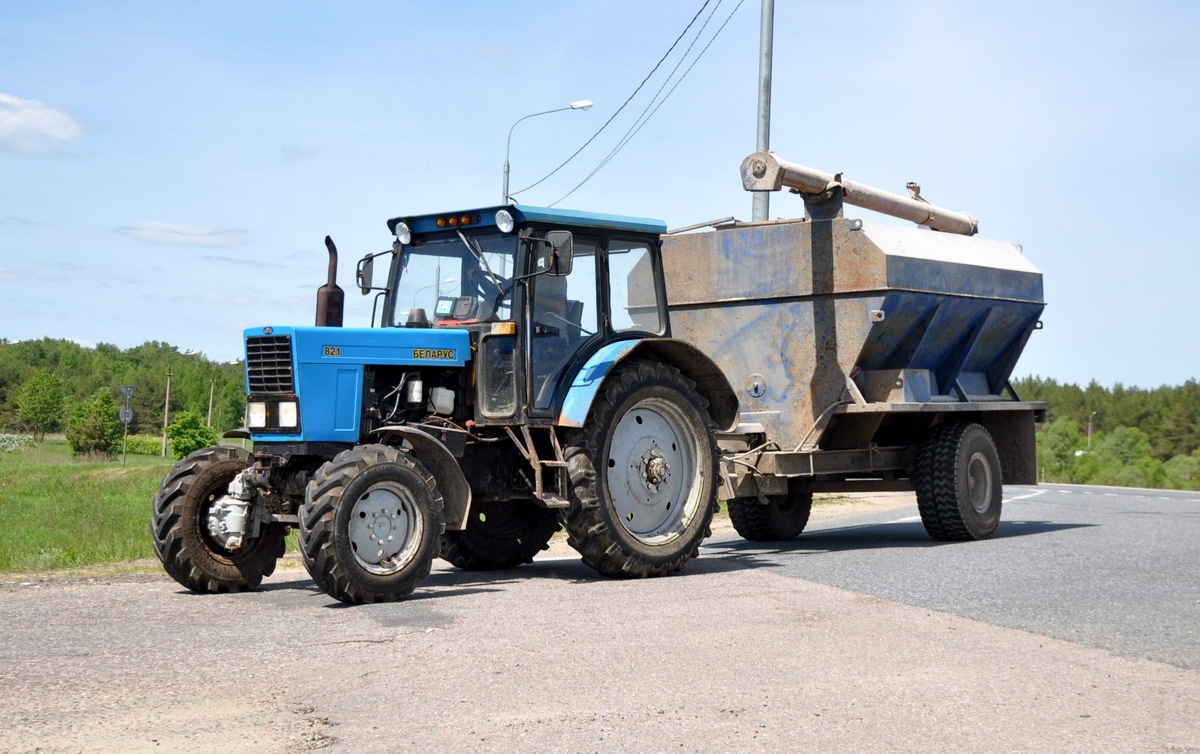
95,426
188,434
144,445
41,403
14,443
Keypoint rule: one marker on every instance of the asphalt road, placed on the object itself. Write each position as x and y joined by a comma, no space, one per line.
1107,567
851,638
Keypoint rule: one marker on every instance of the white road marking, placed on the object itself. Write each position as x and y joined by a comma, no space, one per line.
1035,493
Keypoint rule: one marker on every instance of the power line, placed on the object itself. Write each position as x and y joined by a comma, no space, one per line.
622,107
637,126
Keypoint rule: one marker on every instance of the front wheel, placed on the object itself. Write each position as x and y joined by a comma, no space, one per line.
189,553
371,525
643,471
782,518
959,484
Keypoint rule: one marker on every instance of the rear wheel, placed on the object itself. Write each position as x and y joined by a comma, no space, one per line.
182,541
643,472
959,484
500,534
782,518
371,525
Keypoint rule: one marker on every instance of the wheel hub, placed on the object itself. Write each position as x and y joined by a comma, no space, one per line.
651,471
383,530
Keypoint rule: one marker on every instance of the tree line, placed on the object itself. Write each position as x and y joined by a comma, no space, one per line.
45,383
1121,436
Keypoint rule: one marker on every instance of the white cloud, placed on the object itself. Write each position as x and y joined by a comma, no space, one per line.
293,153
183,235
36,128
29,274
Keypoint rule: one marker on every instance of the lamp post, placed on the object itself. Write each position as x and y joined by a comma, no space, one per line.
582,104
1090,431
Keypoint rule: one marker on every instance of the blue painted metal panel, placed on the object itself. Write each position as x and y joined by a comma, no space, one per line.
485,217
588,379
328,362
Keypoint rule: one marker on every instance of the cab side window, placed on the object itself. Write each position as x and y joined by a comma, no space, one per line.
634,298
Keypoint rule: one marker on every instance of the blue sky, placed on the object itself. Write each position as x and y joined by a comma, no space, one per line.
168,171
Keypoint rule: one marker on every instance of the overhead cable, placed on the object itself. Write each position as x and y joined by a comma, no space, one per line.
644,118
622,107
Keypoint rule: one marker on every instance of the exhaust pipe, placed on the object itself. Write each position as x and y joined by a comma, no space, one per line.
329,296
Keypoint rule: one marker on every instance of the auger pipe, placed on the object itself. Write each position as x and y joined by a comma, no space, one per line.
763,171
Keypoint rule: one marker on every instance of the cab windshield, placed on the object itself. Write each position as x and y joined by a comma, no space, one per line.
453,282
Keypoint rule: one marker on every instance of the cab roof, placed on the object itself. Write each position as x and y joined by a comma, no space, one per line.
486,217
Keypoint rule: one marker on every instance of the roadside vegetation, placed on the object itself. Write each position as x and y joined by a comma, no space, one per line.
1125,437
57,511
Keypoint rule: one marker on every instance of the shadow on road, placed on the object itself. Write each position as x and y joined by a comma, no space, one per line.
875,537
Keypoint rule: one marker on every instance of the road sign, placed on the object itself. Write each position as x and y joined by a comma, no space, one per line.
126,415
127,392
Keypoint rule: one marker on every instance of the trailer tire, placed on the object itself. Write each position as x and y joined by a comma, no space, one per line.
500,534
351,504
188,552
643,472
781,519
959,484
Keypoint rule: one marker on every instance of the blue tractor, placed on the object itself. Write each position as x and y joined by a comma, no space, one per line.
523,376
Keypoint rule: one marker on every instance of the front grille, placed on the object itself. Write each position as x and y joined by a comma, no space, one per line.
269,364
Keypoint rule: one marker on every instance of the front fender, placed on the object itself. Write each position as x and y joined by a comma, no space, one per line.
693,363
437,458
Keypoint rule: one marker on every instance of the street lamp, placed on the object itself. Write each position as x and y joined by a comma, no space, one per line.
1090,431
582,104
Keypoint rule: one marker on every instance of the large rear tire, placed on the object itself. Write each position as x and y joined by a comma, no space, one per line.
643,471
179,527
959,483
781,519
500,534
371,525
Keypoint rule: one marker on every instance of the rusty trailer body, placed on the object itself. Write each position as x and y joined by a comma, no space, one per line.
848,342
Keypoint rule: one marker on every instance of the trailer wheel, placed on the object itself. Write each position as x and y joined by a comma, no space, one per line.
959,484
500,534
179,527
780,520
643,471
371,524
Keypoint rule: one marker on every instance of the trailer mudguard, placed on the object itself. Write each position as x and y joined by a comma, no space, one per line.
439,461
693,363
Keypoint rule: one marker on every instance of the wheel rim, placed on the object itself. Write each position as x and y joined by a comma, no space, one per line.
385,529
979,482
652,471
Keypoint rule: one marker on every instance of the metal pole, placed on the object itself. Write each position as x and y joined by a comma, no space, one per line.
761,209
212,383
166,406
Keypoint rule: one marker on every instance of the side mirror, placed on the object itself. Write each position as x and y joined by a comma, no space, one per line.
363,274
560,251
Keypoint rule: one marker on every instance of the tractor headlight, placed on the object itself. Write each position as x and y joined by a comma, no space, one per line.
403,233
256,414
504,221
288,414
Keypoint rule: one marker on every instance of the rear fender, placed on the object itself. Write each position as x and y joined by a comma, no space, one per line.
439,461
693,363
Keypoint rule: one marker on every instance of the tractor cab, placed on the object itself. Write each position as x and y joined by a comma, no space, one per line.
541,292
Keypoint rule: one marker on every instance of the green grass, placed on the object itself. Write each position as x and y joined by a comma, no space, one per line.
58,512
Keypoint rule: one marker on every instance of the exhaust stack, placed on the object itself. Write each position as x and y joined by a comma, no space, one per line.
329,296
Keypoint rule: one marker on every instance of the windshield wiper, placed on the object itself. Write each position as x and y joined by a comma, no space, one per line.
479,255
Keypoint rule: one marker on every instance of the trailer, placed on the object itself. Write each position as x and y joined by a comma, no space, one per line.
865,356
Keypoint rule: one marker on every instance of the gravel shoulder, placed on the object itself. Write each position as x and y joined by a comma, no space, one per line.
726,656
